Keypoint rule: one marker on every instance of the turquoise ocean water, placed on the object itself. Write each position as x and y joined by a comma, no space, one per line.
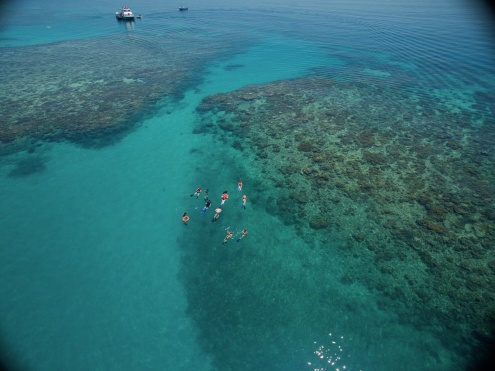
97,270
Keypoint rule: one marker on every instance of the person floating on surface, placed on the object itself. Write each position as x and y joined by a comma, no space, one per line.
217,214
198,191
185,218
244,199
243,234
239,186
225,197
226,239
207,206
206,194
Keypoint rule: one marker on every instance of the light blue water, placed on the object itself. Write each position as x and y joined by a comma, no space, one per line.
93,280
91,247
95,238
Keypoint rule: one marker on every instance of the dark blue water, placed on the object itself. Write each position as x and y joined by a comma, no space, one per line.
100,152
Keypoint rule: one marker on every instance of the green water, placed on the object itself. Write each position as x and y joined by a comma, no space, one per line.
364,140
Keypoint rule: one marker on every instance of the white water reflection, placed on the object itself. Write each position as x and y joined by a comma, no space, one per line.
329,355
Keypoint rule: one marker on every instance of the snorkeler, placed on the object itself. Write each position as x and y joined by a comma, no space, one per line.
185,218
225,197
217,214
244,233
244,199
226,239
207,206
198,191
206,194
239,186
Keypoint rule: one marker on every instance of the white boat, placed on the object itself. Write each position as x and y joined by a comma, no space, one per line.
125,14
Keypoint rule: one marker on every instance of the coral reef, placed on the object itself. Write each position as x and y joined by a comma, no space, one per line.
75,91
410,180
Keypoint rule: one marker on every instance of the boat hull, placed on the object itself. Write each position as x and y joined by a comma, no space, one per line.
125,18
125,14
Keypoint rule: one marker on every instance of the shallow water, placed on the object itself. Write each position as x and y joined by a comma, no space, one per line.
360,134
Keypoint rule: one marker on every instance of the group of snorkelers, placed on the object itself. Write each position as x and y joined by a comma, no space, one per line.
218,210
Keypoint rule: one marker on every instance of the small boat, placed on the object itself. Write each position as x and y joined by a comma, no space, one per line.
125,14
182,8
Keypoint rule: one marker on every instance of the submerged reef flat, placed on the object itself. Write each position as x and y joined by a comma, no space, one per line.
397,183
83,90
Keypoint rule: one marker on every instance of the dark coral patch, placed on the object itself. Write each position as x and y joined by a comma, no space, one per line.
408,186
95,100
26,167
318,223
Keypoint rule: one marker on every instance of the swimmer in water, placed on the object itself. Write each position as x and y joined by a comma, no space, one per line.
226,239
243,234
198,191
185,218
207,206
225,197
217,214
